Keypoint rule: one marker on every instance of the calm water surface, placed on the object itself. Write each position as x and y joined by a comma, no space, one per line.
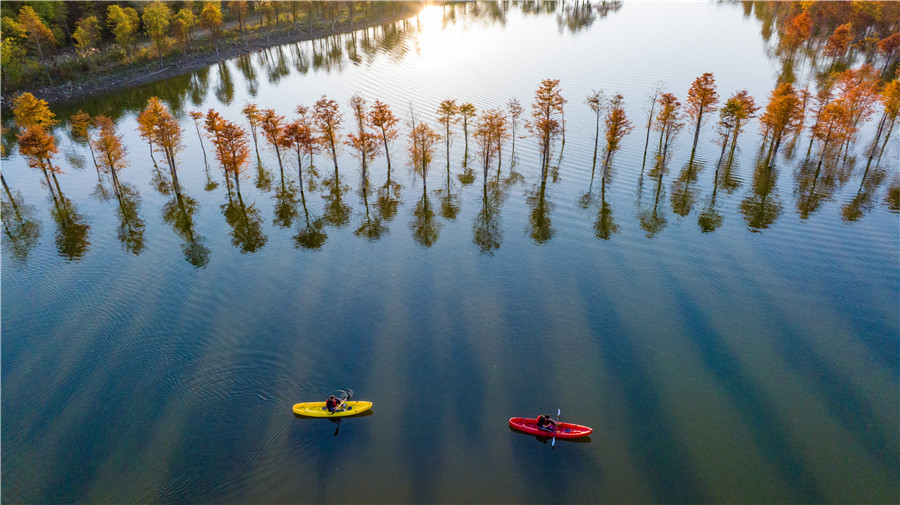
152,348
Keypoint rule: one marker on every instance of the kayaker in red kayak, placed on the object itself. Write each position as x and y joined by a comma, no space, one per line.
545,423
332,404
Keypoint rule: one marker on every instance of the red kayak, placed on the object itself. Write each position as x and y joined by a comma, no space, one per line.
563,430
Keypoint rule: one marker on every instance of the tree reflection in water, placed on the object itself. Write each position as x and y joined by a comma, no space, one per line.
762,206
246,225
72,229
179,214
22,230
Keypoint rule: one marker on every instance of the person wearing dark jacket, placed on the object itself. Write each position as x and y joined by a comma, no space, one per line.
545,423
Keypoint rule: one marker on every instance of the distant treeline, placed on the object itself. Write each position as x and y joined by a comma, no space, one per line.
49,42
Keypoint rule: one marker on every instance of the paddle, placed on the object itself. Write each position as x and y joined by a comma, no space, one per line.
348,394
553,443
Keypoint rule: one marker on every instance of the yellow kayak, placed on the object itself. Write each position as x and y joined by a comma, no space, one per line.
317,409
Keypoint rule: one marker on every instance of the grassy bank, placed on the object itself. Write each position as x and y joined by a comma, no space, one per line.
77,77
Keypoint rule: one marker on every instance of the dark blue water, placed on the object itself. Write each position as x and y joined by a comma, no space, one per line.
152,349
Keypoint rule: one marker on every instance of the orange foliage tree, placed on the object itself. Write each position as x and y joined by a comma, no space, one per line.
311,143
328,122
702,99
157,125
546,123
489,126
300,136
890,100
147,120
81,124
272,125
734,116
38,147
617,127
382,118
796,31
363,141
466,112
858,89
446,115
421,148
783,117
889,47
254,116
833,125
839,41
232,147
109,144
31,111
668,122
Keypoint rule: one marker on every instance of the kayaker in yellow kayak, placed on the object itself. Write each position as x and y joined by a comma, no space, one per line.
332,404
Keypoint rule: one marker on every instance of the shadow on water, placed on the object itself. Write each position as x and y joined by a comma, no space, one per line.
770,436
650,438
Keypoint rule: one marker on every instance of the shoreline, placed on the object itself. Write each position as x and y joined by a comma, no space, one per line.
147,73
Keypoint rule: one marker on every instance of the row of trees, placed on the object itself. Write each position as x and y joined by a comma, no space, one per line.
834,116
49,35
833,119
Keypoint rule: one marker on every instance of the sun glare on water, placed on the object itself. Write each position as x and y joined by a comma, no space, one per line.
433,45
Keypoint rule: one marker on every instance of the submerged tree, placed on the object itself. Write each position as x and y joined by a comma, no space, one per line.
733,117
421,149
328,122
109,145
514,112
597,102
272,125
654,99
783,117
446,115
81,124
890,100
617,127
31,111
158,126
466,112
254,116
668,123
231,144
112,159
702,100
363,141
489,130
833,126
38,147
299,136
382,119
546,114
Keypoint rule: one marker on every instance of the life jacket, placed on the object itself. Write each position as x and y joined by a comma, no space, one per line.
331,403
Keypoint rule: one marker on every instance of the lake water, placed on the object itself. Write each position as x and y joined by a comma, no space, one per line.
730,342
